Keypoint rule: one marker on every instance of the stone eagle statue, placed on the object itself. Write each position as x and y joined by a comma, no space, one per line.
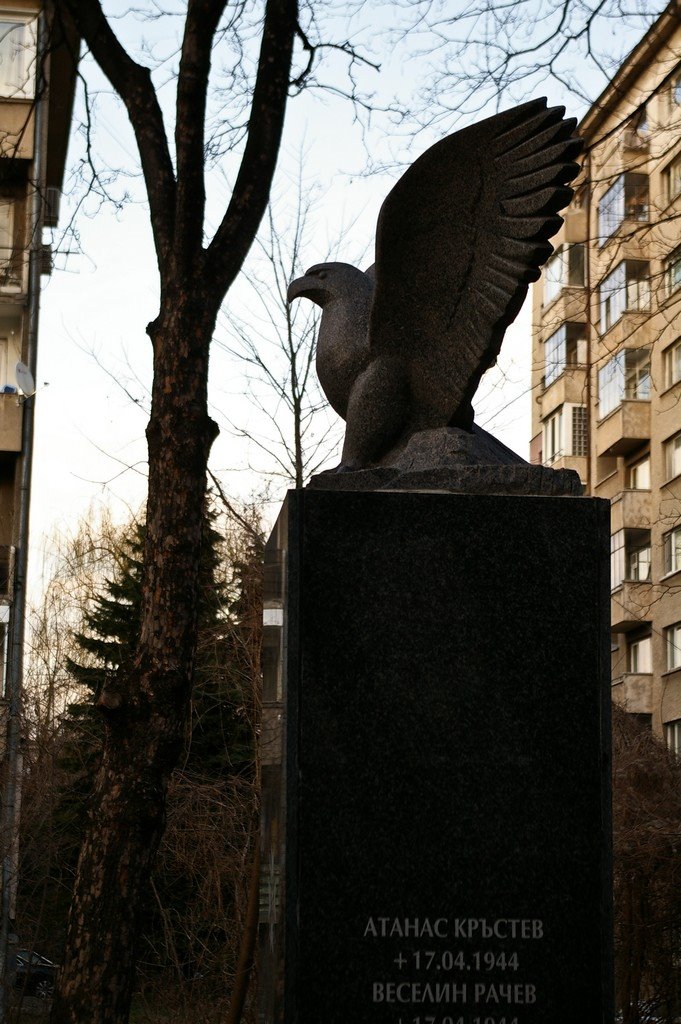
402,346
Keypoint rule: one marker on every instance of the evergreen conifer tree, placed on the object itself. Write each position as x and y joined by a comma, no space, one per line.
218,763
221,737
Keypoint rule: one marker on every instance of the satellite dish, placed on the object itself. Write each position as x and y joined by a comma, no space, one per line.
25,379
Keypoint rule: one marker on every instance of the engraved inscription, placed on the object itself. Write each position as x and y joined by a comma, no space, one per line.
457,968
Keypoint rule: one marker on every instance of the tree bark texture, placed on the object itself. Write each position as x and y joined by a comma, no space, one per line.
147,715
147,710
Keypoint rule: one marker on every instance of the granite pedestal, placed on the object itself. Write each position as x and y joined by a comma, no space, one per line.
436,761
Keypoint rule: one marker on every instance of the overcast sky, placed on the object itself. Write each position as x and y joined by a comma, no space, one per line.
94,355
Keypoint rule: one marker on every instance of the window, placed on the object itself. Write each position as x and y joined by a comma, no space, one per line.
638,568
672,735
626,199
4,358
638,475
639,655
672,271
566,347
671,543
672,456
17,58
637,130
626,375
611,385
637,373
10,352
672,179
616,559
566,267
640,124
553,437
565,433
630,556
675,90
626,288
580,436
672,363
6,235
672,641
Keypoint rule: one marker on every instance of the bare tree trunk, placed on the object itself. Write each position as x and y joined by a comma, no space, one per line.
126,825
147,712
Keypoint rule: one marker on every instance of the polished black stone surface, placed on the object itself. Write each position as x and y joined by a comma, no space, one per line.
447,795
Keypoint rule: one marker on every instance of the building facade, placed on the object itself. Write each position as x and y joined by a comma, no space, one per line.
36,101
38,58
607,361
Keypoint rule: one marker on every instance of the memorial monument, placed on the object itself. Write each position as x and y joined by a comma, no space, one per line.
435,748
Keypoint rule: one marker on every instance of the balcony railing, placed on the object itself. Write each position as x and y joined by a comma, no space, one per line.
634,692
630,605
624,429
631,510
576,462
567,386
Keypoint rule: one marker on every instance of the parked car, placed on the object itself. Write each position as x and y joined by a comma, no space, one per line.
34,975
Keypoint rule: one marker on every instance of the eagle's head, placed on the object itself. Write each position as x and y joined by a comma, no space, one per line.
327,281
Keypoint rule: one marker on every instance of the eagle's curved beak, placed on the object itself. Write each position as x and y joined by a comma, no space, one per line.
310,286
298,288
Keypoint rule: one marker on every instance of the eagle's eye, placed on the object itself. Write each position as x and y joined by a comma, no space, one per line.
321,274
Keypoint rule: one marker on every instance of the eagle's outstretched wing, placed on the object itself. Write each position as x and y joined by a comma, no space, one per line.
459,238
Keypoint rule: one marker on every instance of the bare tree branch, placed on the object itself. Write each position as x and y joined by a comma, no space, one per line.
192,86
132,82
250,194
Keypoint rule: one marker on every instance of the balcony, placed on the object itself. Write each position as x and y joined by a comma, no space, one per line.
11,412
624,208
575,225
576,462
630,605
632,330
18,129
13,271
631,510
634,692
569,305
569,387
608,481
624,429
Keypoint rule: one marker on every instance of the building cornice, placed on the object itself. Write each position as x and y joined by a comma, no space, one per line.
632,67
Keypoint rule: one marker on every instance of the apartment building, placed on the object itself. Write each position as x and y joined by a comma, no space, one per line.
37,80
607,361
